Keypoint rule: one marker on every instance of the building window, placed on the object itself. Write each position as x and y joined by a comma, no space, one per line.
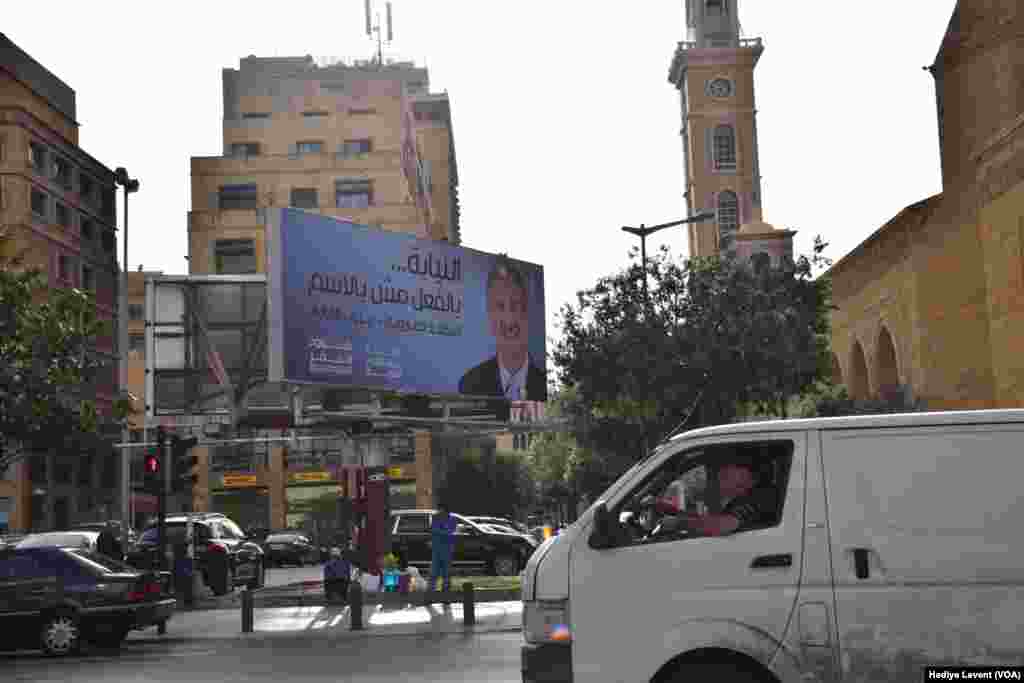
728,221
245,149
256,115
85,187
353,148
63,214
88,278
234,257
62,171
135,312
64,267
725,148
314,114
237,197
353,194
304,198
108,203
309,147
109,242
39,202
136,343
38,157
88,230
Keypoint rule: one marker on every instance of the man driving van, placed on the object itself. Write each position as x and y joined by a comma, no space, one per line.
748,502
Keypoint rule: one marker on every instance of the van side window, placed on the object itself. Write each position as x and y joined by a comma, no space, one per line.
715,491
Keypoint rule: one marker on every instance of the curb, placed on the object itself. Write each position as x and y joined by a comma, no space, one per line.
339,634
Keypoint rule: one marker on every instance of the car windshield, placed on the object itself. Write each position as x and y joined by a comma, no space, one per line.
281,538
58,539
101,564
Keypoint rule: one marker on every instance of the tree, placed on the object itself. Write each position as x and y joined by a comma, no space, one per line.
830,400
49,367
482,481
712,335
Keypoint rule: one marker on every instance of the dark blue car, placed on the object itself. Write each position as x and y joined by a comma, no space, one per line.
53,599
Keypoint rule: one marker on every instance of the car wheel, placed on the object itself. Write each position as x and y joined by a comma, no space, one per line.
741,672
60,635
112,638
259,580
223,584
506,565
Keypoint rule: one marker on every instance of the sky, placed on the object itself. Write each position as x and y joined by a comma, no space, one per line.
565,125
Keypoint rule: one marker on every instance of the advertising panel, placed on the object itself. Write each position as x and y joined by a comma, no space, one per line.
355,306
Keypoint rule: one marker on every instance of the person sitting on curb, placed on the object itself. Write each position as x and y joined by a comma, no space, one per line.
337,573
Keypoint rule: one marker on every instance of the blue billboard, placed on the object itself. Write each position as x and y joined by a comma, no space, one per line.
356,306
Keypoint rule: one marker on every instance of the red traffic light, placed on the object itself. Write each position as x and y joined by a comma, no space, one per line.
152,464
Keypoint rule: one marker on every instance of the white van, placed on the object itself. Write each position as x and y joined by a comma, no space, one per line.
880,544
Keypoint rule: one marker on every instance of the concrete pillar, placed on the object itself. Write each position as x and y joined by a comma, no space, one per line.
424,468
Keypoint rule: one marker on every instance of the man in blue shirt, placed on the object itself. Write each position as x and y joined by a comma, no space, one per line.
442,538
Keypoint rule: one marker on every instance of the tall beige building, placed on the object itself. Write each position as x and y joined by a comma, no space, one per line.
363,141
713,69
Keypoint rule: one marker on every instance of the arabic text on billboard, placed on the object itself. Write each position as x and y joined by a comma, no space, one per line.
357,306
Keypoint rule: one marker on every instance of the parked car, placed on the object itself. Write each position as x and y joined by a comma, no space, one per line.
61,539
476,548
114,527
296,549
224,556
10,540
505,526
53,598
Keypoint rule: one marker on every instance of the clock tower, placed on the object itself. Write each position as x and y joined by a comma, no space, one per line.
713,69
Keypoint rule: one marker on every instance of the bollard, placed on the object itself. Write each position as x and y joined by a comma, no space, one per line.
355,606
468,605
247,611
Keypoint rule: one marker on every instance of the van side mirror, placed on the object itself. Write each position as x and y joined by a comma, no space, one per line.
603,535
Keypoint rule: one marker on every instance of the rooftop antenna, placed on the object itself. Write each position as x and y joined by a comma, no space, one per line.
372,28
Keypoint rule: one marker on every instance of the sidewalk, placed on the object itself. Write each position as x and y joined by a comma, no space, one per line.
333,622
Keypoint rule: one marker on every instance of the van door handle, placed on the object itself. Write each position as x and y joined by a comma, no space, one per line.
860,563
772,561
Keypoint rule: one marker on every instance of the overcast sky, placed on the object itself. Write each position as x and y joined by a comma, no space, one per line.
565,125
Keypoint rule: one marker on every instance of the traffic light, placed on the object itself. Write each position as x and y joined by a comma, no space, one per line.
152,476
184,477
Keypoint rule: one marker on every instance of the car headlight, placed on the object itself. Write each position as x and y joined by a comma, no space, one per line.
546,621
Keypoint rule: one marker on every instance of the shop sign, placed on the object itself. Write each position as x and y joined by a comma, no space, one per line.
239,480
310,477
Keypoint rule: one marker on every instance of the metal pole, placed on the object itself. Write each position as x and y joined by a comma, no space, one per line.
122,341
643,257
165,459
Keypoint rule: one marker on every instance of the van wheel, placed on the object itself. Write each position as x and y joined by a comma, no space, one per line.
60,635
724,670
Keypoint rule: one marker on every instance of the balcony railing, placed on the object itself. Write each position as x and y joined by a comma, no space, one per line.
743,42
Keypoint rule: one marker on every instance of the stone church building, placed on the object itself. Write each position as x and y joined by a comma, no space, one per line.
934,299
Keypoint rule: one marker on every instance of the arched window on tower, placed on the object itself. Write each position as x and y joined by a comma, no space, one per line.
724,144
715,8
728,222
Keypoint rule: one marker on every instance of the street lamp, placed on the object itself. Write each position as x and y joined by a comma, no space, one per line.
130,185
643,232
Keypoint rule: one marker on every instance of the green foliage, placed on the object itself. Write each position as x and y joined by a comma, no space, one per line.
714,334
829,400
49,368
482,481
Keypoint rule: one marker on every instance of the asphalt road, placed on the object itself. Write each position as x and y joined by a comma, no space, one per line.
427,658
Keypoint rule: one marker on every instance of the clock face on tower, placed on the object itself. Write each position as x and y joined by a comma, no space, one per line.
720,87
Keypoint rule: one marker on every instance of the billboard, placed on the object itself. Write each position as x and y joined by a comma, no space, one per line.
355,306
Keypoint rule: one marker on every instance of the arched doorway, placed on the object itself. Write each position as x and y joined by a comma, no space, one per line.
858,384
885,366
837,371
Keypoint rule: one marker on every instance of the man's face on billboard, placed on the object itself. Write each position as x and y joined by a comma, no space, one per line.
509,316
